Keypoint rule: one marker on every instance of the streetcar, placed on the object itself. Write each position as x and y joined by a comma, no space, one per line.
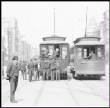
89,57
51,45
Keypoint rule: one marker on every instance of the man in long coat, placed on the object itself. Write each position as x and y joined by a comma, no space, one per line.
23,70
30,70
53,67
12,75
36,72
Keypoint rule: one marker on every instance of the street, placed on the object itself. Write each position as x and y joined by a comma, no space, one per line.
63,93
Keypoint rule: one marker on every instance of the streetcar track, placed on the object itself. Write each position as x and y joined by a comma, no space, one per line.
95,93
42,89
91,93
72,95
35,103
77,90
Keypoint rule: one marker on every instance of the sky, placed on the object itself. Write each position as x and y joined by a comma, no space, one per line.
36,19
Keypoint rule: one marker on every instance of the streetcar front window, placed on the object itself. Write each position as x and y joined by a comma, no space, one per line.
64,52
85,53
100,51
44,52
89,52
57,50
51,50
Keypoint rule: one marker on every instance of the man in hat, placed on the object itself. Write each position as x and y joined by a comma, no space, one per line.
52,67
30,69
46,66
23,70
58,63
36,72
12,75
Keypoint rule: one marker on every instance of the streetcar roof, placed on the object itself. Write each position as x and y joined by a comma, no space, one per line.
54,42
87,39
90,43
53,37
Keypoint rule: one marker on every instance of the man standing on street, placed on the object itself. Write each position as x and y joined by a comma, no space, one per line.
36,72
12,76
23,70
53,67
30,70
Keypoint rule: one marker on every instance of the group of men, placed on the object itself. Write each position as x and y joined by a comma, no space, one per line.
33,70
13,70
29,69
15,67
50,69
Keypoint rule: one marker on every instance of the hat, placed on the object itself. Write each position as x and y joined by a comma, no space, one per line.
15,58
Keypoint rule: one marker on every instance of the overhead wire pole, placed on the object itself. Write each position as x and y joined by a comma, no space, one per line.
86,22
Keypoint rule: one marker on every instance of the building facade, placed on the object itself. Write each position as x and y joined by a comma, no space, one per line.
10,33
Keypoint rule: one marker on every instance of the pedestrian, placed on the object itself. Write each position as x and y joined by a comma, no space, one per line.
46,68
23,70
70,71
58,63
36,72
12,75
53,68
30,70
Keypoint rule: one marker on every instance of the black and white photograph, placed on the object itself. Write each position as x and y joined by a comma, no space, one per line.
54,54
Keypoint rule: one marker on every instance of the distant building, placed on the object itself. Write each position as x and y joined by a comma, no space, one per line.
10,33
25,50
104,30
92,28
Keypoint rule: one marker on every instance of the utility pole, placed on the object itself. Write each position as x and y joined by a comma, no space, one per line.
86,22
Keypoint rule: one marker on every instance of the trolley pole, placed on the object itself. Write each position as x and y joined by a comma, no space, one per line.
86,22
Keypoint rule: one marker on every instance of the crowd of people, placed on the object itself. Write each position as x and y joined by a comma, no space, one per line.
30,70
26,68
